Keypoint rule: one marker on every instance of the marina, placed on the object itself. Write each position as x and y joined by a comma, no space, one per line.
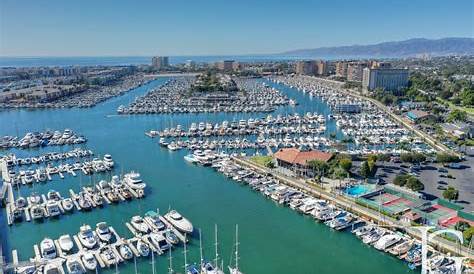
163,172
41,139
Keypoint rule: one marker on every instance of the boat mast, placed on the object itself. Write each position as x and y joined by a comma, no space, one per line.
170,269
237,247
185,256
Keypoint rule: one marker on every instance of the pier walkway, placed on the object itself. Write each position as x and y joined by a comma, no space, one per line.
355,208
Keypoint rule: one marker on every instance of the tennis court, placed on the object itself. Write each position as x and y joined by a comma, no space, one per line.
436,213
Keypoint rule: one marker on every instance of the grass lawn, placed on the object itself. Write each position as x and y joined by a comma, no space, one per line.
469,110
262,160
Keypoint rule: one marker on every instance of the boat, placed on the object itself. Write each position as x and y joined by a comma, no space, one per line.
179,222
171,237
133,180
143,248
153,219
86,236
103,232
52,207
115,182
125,251
235,269
84,203
54,267
139,224
401,248
37,212
108,255
387,241
190,158
67,204
108,161
89,261
48,249
74,265
66,243
53,195
159,241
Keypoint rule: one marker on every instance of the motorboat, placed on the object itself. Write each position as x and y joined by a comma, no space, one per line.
54,267
108,161
53,195
139,224
48,249
115,182
401,248
35,198
159,241
86,236
108,255
66,243
208,268
190,158
89,261
125,251
153,219
103,232
133,180
67,204
179,222
387,241
84,203
373,236
97,199
74,265
193,269
20,203
37,212
143,248
52,207
171,237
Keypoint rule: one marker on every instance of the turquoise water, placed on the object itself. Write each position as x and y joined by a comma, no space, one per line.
274,239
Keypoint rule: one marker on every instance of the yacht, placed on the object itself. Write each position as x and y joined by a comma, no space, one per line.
125,251
74,265
48,249
67,204
178,221
171,237
108,161
89,261
86,237
37,212
103,232
66,243
190,158
143,248
387,241
139,224
159,241
53,195
115,182
52,207
153,220
108,255
53,268
134,181
208,268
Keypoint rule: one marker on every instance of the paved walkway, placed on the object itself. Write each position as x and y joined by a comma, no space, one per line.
351,206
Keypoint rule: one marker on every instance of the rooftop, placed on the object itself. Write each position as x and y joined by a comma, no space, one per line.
295,156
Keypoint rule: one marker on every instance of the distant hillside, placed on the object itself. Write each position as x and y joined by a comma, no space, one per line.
412,47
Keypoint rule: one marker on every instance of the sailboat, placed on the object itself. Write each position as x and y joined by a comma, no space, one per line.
235,269
208,267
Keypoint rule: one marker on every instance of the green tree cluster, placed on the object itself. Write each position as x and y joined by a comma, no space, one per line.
412,157
451,193
409,181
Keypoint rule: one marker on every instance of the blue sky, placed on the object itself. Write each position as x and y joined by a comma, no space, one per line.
201,27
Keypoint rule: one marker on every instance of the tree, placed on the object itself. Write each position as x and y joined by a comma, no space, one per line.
414,184
345,164
451,193
365,169
467,234
400,179
384,157
443,157
462,226
320,167
457,115
412,157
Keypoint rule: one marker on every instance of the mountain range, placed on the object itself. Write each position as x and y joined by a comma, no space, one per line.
406,48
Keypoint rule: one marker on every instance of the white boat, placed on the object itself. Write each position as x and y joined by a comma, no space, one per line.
159,241
108,255
143,248
108,161
74,265
103,232
115,182
66,243
67,204
235,269
52,207
134,181
179,222
37,212
86,237
387,241
190,158
54,267
139,224
89,261
48,249
125,252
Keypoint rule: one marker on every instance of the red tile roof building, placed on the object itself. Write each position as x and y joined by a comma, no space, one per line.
297,161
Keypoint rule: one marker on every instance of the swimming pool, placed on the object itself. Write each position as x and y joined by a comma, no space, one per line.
359,190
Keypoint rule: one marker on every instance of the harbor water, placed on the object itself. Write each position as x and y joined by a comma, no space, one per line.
273,238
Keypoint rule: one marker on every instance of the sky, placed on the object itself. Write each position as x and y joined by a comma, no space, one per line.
219,27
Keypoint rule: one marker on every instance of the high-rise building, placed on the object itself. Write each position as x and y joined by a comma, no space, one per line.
306,67
388,79
355,71
226,65
341,69
321,67
160,62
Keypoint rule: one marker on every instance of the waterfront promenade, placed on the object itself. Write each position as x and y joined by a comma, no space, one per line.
350,205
